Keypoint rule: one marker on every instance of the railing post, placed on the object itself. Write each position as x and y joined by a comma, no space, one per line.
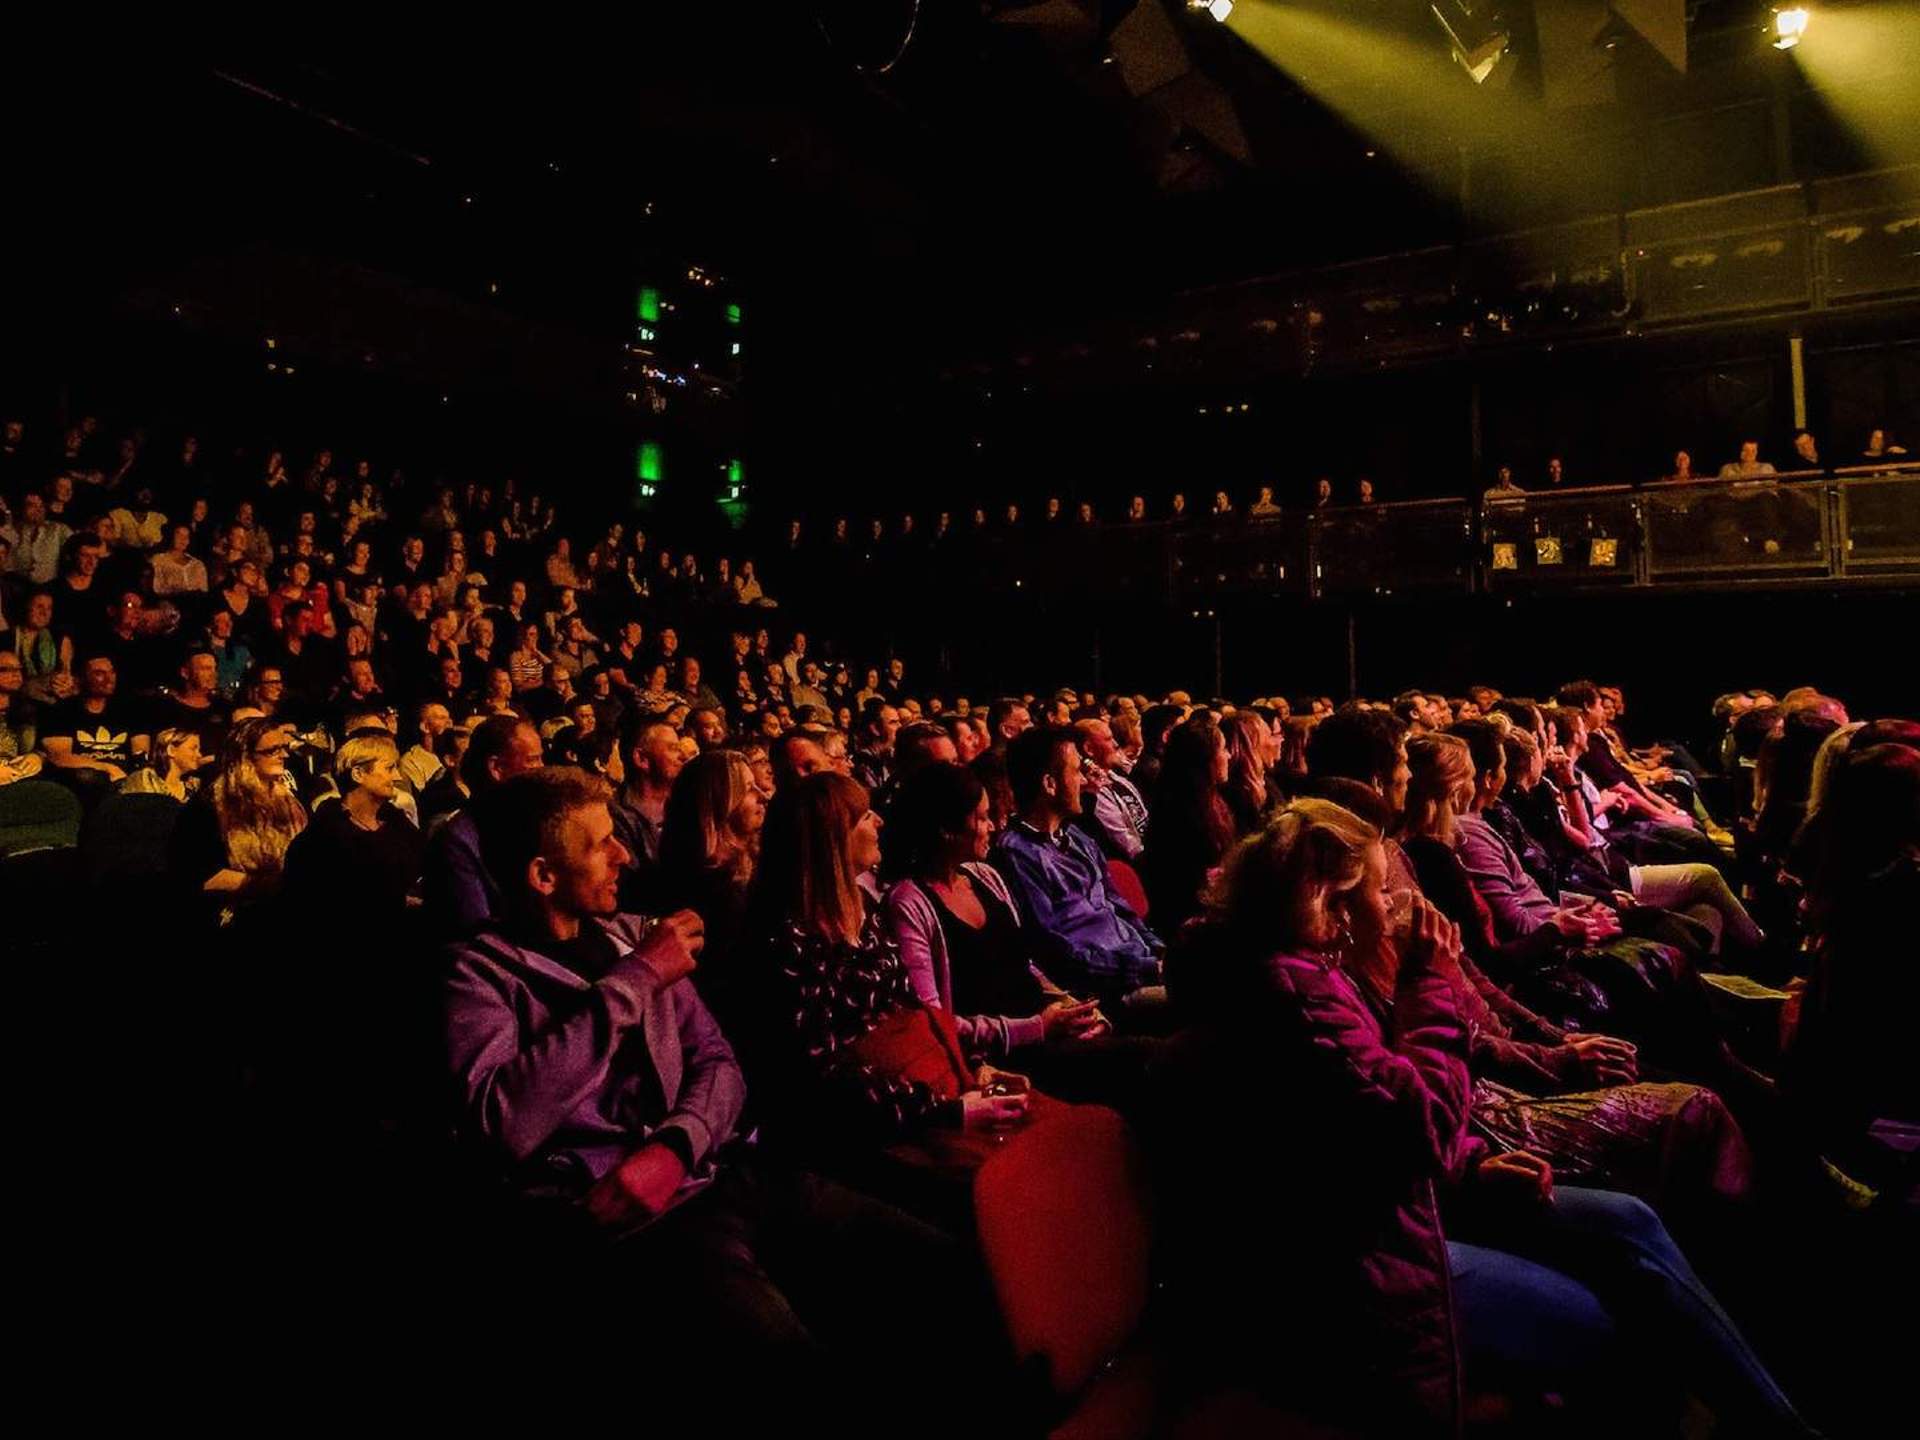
1833,519
1643,532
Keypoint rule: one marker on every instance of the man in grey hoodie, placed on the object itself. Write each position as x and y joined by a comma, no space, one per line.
599,1084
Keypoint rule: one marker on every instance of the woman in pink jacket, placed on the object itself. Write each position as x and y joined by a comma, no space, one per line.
1304,1151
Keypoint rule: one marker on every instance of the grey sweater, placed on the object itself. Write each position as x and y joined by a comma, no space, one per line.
557,1073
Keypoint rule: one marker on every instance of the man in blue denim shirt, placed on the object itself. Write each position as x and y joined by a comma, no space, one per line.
1094,940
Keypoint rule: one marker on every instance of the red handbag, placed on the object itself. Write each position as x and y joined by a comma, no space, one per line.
918,1043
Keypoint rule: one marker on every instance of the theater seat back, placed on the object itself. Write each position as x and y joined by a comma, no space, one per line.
1065,1230
1126,884
37,815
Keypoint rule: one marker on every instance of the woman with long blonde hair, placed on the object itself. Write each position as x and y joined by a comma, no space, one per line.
251,814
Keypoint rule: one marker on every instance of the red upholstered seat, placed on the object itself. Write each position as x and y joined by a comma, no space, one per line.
1066,1230
1063,1225
1126,884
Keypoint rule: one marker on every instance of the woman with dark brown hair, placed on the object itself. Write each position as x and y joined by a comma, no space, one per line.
1192,824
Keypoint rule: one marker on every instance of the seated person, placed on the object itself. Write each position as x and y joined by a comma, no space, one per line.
459,890
1119,809
1558,1275
1516,815
960,938
1569,961
653,759
709,841
1094,943
1573,1098
95,738
1649,827
353,867
1192,822
446,793
1849,1073
552,699
855,1071
599,1085
420,766
197,703
229,849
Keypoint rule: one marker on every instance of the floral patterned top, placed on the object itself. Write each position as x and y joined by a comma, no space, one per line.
835,993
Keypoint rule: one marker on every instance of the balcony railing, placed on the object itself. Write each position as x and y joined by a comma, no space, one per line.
1858,525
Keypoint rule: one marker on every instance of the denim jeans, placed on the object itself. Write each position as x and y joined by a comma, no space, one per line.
1568,1293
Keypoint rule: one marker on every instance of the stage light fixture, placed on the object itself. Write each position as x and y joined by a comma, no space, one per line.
1788,26
1219,9
1547,551
1506,555
1603,553
1474,32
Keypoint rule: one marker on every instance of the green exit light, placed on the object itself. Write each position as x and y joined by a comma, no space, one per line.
733,314
649,306
736,473
648,461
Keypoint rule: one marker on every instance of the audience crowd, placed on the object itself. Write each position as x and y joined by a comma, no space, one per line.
1449,1027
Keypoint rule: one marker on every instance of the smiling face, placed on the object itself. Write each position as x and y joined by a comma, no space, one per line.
380,778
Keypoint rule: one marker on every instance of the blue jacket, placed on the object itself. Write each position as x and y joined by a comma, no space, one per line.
1060,883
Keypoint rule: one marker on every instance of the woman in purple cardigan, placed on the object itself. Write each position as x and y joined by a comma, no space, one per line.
1304,1151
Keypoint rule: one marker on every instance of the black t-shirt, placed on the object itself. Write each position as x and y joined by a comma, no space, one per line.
442,796
340,876
106,735
590,954
166,712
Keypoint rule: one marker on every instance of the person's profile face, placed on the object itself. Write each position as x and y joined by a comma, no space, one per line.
380,778
523,754
1067,781
269,753
587,869
1365,903
866,841
185,753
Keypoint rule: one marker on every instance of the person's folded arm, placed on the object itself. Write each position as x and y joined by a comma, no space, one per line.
517,1088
